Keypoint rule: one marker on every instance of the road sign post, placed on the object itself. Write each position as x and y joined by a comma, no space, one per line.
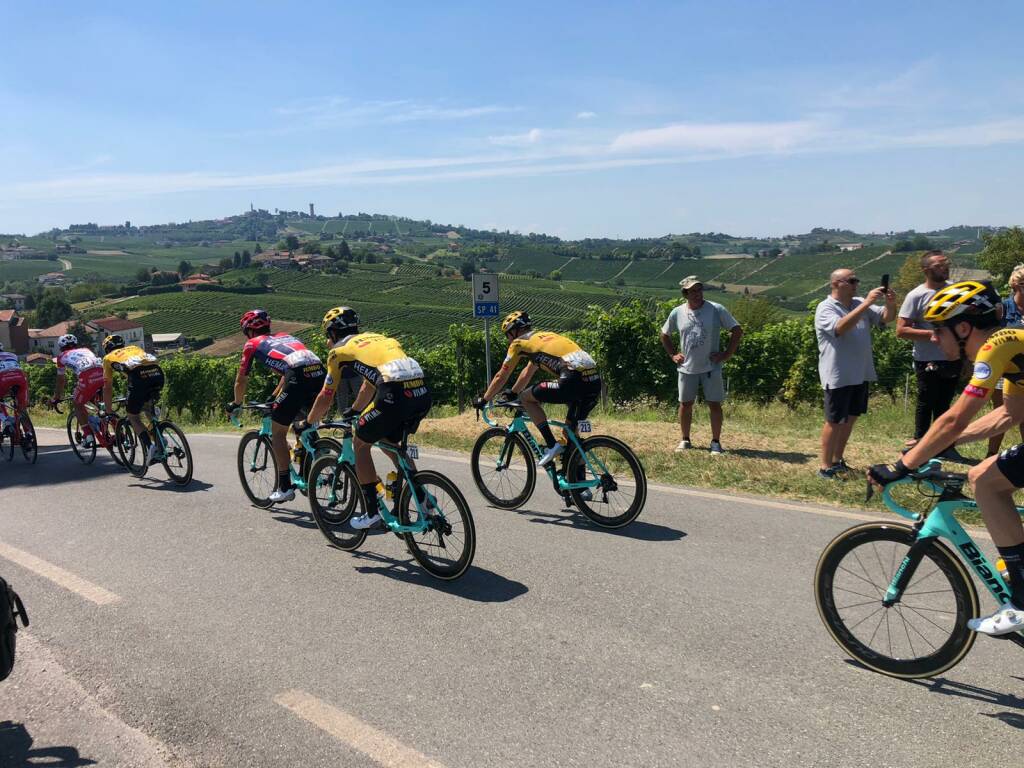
485,305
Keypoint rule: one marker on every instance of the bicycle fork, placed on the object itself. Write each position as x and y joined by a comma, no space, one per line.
906,570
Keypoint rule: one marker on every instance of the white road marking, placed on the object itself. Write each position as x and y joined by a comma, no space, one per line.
373,743
62,578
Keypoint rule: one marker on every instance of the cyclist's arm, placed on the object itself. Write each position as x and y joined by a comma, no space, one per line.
996,422
366,394
241,382
58,387
108,395
498,382
946,429
525,377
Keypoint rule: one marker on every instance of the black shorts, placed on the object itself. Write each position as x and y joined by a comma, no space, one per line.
397,410
1011,464
301,386
144,384
843,402
579,390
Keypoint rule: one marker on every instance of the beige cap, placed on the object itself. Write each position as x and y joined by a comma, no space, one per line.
689,281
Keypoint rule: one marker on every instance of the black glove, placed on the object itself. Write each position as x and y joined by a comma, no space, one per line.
232,407
508,394
349,414
883,474
300,426
479,403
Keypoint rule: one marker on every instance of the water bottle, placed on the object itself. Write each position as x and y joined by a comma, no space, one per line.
391,486
1001,567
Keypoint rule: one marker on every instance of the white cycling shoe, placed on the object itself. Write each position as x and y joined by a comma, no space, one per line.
362,522
278,496
1004,621
550,454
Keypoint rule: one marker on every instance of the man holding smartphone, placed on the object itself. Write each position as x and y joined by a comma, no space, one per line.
842,323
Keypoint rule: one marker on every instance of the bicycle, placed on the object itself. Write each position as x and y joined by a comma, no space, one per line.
16,429
257,465
172,448
598,473
879,565
103,431
430,512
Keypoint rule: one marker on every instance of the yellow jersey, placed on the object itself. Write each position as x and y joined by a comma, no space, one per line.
554,353
1001,357
377,358
126,359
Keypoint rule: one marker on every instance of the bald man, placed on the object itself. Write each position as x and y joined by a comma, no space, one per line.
843,325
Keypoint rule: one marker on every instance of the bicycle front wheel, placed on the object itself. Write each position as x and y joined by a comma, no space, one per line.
446,548
503,468
29,447
85,454
925,632
622,493
127,445
334,499
177,455
257,468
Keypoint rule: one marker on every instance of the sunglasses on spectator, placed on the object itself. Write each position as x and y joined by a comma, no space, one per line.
851,280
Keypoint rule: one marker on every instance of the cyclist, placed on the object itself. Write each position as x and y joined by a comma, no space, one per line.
12,377
578,384
392,400
966,323
145,382
88,370
302,375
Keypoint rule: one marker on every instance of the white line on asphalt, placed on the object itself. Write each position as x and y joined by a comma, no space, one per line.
361,736
59,576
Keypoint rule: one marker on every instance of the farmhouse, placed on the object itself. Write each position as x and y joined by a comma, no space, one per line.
16,300
278,259
849,246
13,332
130,330
13,252
44,340
51,278
194,283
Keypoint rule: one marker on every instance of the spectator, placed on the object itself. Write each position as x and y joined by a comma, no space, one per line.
843,323
936,376
1013,317
698,360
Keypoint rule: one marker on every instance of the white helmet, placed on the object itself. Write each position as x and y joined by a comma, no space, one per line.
67,340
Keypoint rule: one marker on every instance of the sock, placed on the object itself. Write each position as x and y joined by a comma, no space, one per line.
144,441
370,497
1014,559
545,432
284,480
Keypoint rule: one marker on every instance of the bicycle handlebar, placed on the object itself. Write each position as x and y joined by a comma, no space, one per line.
929,472
487,409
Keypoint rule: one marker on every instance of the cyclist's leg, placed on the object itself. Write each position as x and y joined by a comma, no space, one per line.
542,392
286,409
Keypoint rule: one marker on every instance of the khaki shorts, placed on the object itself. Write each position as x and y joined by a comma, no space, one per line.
710,384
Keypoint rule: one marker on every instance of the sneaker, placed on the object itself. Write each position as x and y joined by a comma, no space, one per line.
716,448
586,495
278,496
550,454
841,466
362,522
683,445
1004,621
88,441
827,474
151,458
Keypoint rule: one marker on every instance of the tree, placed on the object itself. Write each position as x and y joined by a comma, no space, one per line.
227,262
467,269
556,274
910,275
246,259
82,333
142,275
237,260
184,269
257,250
291,242
1002,253
344,252
53,308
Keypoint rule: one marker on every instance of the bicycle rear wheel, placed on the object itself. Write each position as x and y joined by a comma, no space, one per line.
621,496
503,468
29,447
257,468
923,634
127,445
177,454
446,548
334,499
75,436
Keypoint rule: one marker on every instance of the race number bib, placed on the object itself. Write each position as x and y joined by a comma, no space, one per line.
412,451
583,427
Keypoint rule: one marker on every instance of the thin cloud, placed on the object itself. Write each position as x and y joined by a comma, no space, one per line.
532,136
335,110
910,87
721,137
586,115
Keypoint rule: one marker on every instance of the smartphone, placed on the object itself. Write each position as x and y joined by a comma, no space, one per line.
885,282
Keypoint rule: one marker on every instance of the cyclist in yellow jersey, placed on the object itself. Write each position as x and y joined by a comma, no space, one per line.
578,383
966,323
392,401
145,382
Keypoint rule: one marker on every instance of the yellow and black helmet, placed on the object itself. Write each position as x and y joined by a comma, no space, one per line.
340,321
112,342
518,320
971,301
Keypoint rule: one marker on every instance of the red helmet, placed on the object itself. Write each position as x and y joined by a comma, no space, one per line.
255,320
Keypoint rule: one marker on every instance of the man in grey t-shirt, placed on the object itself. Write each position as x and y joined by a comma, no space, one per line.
698,324
842,323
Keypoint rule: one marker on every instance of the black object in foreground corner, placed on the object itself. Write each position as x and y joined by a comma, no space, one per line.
11,609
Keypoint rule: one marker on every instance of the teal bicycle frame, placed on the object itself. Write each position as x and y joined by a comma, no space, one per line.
940,523
265,430
558,480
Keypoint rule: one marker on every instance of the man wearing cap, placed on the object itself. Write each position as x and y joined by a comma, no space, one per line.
698,359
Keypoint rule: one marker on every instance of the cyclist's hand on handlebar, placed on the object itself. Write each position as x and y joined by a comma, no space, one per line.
883,474
301,425
479,403
232,407
52,403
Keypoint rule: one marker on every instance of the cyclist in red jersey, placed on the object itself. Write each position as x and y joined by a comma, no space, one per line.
11,377
302,377
88,370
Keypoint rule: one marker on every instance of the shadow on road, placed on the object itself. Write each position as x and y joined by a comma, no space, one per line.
300,519
44,471
16,750
787,456
638,529
166,484
477,584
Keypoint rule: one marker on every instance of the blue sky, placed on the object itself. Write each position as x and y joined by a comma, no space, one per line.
575,119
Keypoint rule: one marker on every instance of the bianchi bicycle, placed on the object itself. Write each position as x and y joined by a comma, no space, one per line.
600,475
257,465
430,513
16,429
897,597
172,449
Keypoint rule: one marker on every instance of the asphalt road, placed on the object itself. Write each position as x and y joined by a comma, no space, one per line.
187,628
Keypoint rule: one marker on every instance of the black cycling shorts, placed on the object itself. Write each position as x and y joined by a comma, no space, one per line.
1011,464
144,384
397,410
301,386
579,390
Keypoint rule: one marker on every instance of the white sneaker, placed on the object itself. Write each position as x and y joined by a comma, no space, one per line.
683,446
363,522
716,448
88,441
151,455
278,496
550,454
1004,621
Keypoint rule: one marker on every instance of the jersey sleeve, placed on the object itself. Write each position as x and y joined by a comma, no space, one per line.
248,355
512,356
989,366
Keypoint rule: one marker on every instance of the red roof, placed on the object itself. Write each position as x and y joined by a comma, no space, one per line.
198,281
6,315
115,324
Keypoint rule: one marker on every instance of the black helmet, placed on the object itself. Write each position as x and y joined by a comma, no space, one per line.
115,341
340,322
